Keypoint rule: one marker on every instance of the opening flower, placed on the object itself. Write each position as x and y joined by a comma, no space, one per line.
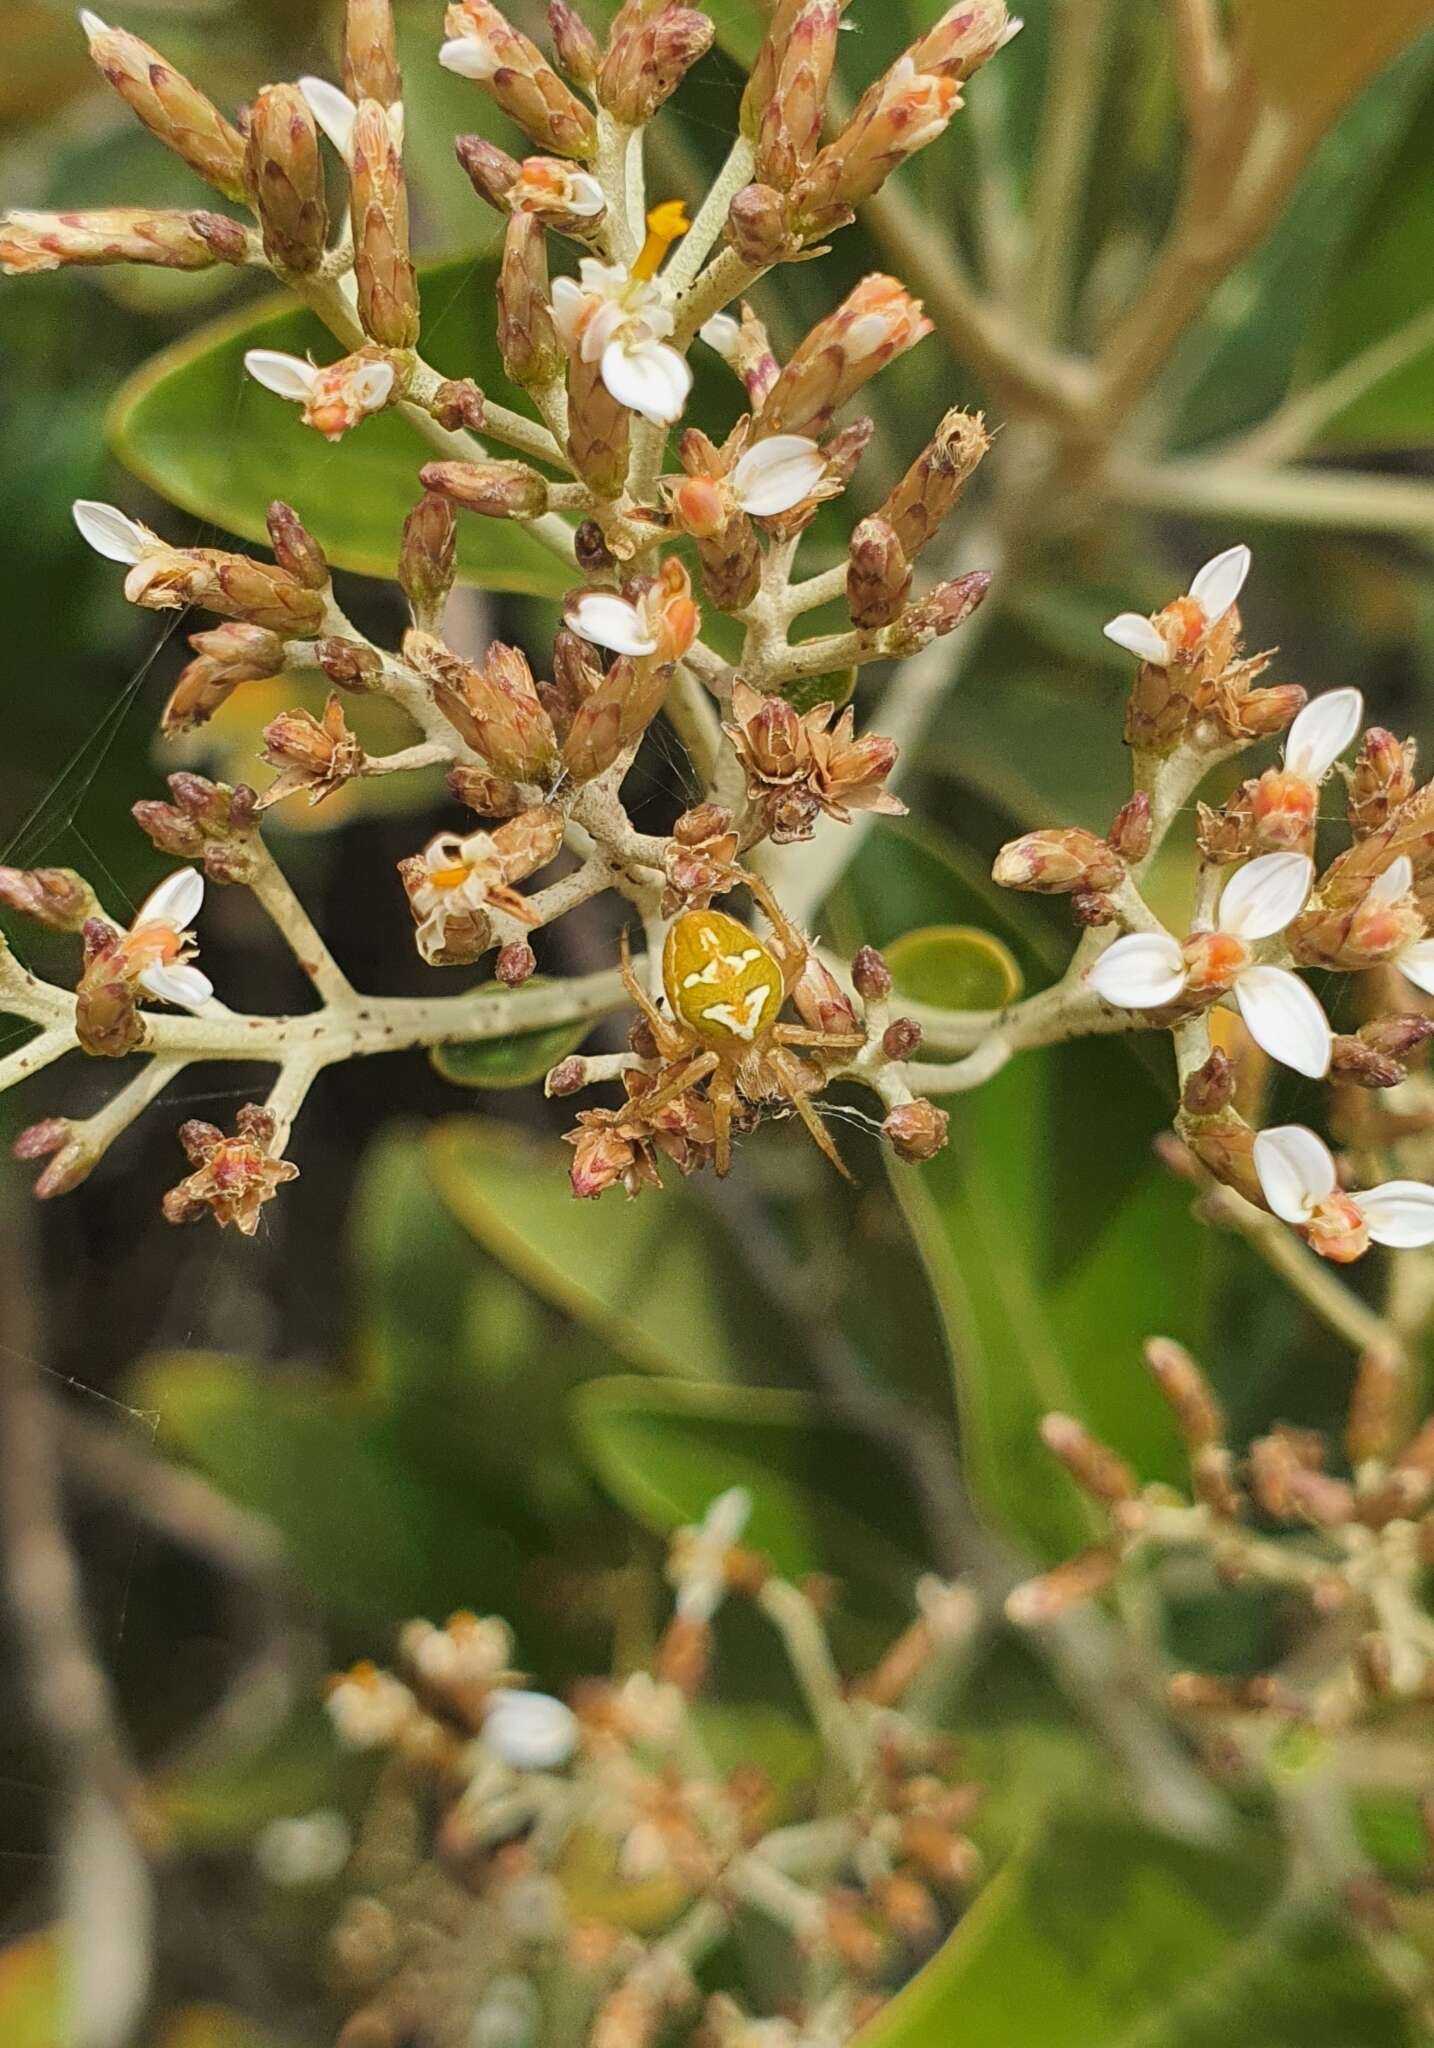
1183,625
335,398
699,1555
1297,1176
1148,970
531,1731
1285,800
662,621
159,945
620,319
336,114
455,882
765,481
1387,906
555,191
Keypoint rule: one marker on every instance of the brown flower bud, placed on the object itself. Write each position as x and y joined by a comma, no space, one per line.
514,73
72,1160
1353,1060
1211,1087
371,53
172,109
941,611
871,977
349,663
598,429
227,240
1227,834
286,175
378,197
1056,862
1079,1578
1093,1465
55,897
498,489
1131,833
574,43
234,586
591,549
295,548
916,507
649,52
1225,1146
427,559
1397,1037
225,657
1263,713
878,576
484,793
622,706
495,708
916,1130
822,1003
1092,908
527,338
1374,1405
458,403
1381,780
788,127
491,171
757,226
901,1038
208,821
516,963
31,242
567,1077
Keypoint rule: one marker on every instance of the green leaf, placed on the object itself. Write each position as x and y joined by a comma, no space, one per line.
954,967
824,1499
654,1279
1106,1935
196,428
222,1804
30,1992
509,1062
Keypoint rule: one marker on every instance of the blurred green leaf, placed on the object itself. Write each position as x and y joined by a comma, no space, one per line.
954,967
221,1803
509,1062
196,428
824,1499
654,1278
30,1993
213,2026
1105,1935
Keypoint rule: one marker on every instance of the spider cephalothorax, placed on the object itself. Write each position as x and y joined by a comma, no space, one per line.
726,989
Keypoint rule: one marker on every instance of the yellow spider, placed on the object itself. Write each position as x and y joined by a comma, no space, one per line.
726,989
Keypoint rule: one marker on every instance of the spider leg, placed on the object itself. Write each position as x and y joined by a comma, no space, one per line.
792,1078
671,1043
677,1083
723,1098
788,944
833,1041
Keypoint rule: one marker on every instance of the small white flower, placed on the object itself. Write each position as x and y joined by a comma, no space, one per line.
699,1555
610,621
1297,1175
530,1731
1147,970
1321,733
336,397
369,1708
304,1848
113,533
161,930
1214,588
777,474
619,321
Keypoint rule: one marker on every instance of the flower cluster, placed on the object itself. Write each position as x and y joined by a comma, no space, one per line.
1263,909
583,1857
596,361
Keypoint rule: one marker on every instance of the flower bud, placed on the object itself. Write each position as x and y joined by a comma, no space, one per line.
349,663
1228,834
1093,908
383,267
1381,779
789,126
55,897
567,1077
613,716
173,110
1079,1578
208,821
527,339
491,171
965,38
484,793
371,53
916,507
72,1160
295,548
1374,1405
757,226
1355,1061
1211,1087
1263,713
427,559
649,53
598,429
225,657
234,586
821,1001
878,576
1056,862
871,977
876,322
495,708
498,489
591,550
485,47
575,44
1093,1465
916,1130
1397,1037
286,175
516,963
941,611
901,1038
31,242
1187,1393
226,239
458,403
1131,833
1225,1147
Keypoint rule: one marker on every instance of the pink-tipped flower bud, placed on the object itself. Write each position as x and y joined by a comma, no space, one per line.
940,612
871,977
574,44
371,53
172,109
821,1001
1381,780
516,963
567,1077
757,226
286,175
901,1038
878,576
427,559
383,266
458,403
55,897
1211,1087
1094,1466
295,548
492,172
916,1131
1057,862
1132,831
33,242
497,489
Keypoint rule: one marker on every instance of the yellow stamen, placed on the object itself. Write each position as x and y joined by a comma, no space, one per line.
449,878
666,224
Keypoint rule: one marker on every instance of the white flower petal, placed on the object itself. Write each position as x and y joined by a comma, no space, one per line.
334,111
1265,894
727,1517
1284,1018
721,333
1142,971
286,376
1137,636
468,56
1396,881
110,532
651,379
1321,733
1216,586
777,474
584,195
373,386
610,621
1008,33
1399,1213
185,986
569,302
175,902
1416,963
92,25
530,1730
1295,1171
